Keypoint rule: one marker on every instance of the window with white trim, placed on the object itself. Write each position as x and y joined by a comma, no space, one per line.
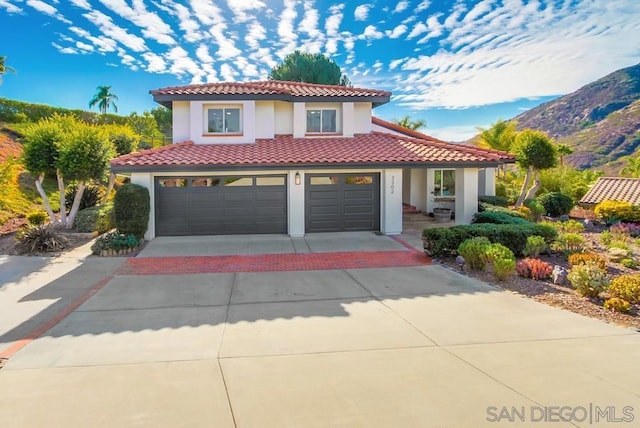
321,121
444,183
223,120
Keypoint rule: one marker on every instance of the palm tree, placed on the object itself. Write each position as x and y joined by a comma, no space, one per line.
407,122
632,169
104,99
4,68
563,150
500,136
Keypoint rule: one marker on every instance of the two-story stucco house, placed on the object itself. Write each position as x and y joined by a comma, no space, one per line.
293,158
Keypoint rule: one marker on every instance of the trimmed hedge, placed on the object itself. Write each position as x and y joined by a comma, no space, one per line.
494,200
131,207
95,219
444,241
483,206
556,204
497,218
12,111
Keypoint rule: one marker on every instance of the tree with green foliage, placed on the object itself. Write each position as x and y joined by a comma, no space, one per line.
4,68
563,150
104,99
164,120
146,126
309,68
500,136
123,137
534,151
407,122
632,168
72,151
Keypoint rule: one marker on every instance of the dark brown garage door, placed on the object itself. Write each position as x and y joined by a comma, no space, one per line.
221,205
342,202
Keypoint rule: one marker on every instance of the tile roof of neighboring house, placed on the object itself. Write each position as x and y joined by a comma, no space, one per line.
613,189
285,151
268,89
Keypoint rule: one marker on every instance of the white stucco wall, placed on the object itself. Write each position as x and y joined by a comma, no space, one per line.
295,204
145,179
487,181
418,188
181,121
283,118
348,119
391,201
362,118
466,194
197,122
299,120
265,119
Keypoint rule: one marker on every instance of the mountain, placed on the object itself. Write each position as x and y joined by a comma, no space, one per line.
600,121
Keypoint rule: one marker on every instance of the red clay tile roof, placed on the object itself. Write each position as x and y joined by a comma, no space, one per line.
613,189
401,129
271,87
285,151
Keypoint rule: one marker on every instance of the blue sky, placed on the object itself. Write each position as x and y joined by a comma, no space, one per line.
455,64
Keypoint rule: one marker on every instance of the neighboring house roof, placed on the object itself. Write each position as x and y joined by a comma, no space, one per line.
268,90
613,189
401,129
285,151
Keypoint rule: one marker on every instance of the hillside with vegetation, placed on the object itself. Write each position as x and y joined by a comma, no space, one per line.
600,122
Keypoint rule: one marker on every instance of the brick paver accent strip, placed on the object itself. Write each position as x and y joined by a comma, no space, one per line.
272,262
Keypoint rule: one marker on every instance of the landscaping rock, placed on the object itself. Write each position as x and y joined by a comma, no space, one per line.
617,254
559,275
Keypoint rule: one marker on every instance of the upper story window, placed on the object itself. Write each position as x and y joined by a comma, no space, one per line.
223,120
321,121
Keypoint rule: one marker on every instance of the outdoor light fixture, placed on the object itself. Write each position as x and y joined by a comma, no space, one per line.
297,178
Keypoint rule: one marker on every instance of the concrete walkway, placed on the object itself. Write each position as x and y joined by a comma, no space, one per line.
377,347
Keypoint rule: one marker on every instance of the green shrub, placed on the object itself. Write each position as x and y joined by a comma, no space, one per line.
503,268
131,209
95,219
534,268
626,287
556,204
474,251
40,238
605,238
629,263
37,217
614,211
482,207
584,258
496,218
536,208
588,279
571,226
494,200
90,197
568,243
620,244
498,251
440,242
617,304
114,241
535,245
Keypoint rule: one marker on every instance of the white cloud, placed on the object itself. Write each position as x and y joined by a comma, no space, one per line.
47,9
155,63
396,32
371,32
104,44
395,63
153,27
128,60
453,133
186,22
423,5
207,12
241,7
203,54
10,7
119,34
434,29
84,46
226,46
288,37
228,73
82,4
255,35
362,12
332,27
65,50
401,6
182,64
309,23
418,29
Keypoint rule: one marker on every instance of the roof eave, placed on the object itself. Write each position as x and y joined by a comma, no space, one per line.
166,99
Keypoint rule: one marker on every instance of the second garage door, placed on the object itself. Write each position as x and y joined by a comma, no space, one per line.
342,202
221,205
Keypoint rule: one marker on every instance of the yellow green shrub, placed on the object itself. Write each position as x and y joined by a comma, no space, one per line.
584,258
612,211
626,287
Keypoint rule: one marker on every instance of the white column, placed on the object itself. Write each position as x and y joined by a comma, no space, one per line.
418,190
391,201
489,182
466,194
299,120
296,204
145,179
348,119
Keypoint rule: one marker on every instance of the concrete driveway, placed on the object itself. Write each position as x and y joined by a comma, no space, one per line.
377,346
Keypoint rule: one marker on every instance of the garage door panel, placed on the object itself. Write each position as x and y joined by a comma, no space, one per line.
240,207
343,206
